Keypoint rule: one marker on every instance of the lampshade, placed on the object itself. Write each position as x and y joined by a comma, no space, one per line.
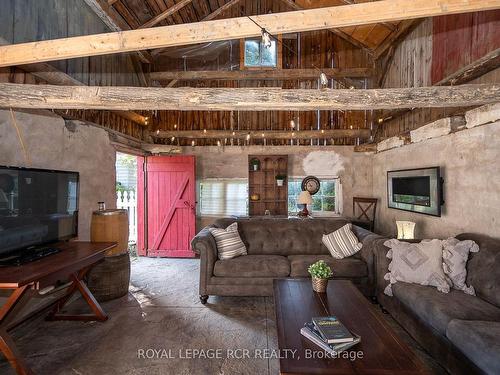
304,198
406,230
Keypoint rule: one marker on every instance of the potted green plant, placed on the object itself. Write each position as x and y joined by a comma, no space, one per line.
254,164
320,273
280,179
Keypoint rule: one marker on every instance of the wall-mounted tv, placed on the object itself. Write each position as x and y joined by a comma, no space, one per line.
416,190
37,207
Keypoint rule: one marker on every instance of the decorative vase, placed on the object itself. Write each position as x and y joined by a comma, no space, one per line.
279,182
255,167
319,285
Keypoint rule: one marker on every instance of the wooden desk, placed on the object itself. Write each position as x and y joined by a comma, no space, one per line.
73,263
296,303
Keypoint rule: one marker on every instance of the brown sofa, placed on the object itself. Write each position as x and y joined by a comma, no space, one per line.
460,331
278,247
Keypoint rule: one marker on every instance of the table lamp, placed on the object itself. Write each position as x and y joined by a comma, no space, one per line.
406,230
305,199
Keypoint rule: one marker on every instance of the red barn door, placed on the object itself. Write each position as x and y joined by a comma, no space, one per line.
167,207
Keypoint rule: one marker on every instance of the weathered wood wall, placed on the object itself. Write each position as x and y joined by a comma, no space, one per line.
31,20
435,49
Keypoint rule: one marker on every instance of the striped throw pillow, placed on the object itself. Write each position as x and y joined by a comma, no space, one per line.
342,243
229,243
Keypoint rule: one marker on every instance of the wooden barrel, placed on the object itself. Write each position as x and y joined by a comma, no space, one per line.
110,226
110,279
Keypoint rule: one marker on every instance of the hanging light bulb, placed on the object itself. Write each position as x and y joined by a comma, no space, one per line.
322,131
263,135
323,79
158,132
292,124
172,139
266,39
233,133
293,134
205,131
218,143
351,88
193,143
175,126
248,136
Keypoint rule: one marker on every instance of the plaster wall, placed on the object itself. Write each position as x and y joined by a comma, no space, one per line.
353,169
469,162
52,143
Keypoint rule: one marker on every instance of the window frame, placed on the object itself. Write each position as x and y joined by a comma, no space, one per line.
338,197
223,180
279,55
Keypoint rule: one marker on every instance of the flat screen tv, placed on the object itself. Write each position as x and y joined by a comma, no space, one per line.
37,207
416,190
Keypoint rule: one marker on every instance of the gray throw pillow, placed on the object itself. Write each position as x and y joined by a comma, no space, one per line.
419,263
342,243
455,257
229,243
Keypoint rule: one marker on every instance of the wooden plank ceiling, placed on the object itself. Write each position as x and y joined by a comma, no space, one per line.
142,13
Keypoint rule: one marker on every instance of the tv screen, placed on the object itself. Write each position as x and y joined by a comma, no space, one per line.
37,207
417,190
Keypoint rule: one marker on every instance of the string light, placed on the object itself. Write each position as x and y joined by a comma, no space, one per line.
322,131
175,126
292,124
233,133
293,134
193,143
218,143
380,120
205,131
248,136
158,132
263,135
172,139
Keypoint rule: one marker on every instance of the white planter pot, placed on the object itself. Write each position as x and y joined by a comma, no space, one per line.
255,167
279,182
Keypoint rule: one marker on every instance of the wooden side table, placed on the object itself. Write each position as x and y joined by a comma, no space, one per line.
73,263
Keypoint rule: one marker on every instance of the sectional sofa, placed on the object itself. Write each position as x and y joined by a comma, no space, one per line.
462,332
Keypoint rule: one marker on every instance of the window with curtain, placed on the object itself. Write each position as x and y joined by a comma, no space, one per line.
223,197
325,201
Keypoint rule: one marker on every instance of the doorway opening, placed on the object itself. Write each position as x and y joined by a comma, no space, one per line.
126,194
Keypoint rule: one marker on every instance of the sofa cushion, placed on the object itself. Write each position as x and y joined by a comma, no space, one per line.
342,243
347,267
438,309
253,266
229,243
479,341
483,267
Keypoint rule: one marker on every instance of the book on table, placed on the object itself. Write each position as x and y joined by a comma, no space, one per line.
332,330
310,332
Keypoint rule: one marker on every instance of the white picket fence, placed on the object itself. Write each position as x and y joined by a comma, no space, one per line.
127,200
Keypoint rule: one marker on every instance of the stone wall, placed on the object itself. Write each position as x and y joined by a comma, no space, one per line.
52,143
469,161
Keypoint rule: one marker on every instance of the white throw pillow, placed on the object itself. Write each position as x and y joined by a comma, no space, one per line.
229,243
419,263
455,257
342,243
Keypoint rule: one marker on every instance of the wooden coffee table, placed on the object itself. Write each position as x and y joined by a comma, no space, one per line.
296,304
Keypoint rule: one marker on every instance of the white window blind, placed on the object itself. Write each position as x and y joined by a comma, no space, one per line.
224,197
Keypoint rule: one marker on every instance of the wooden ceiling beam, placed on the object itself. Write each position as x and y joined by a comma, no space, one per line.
166,13
105,11
339,33
216,13
274,74
235,28
263,134
53,76
242,99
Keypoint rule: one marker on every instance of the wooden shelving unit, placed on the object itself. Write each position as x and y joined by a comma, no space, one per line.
263,182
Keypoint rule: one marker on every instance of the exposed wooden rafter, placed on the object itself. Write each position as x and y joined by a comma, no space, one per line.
236,28
242,99
404,28
53,76
216,13
275,134
273,74
167,13
104,10
337,32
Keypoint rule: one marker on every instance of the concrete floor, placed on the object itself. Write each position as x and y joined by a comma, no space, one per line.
160,318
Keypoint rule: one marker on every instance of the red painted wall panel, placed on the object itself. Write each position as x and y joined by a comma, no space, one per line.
461,39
